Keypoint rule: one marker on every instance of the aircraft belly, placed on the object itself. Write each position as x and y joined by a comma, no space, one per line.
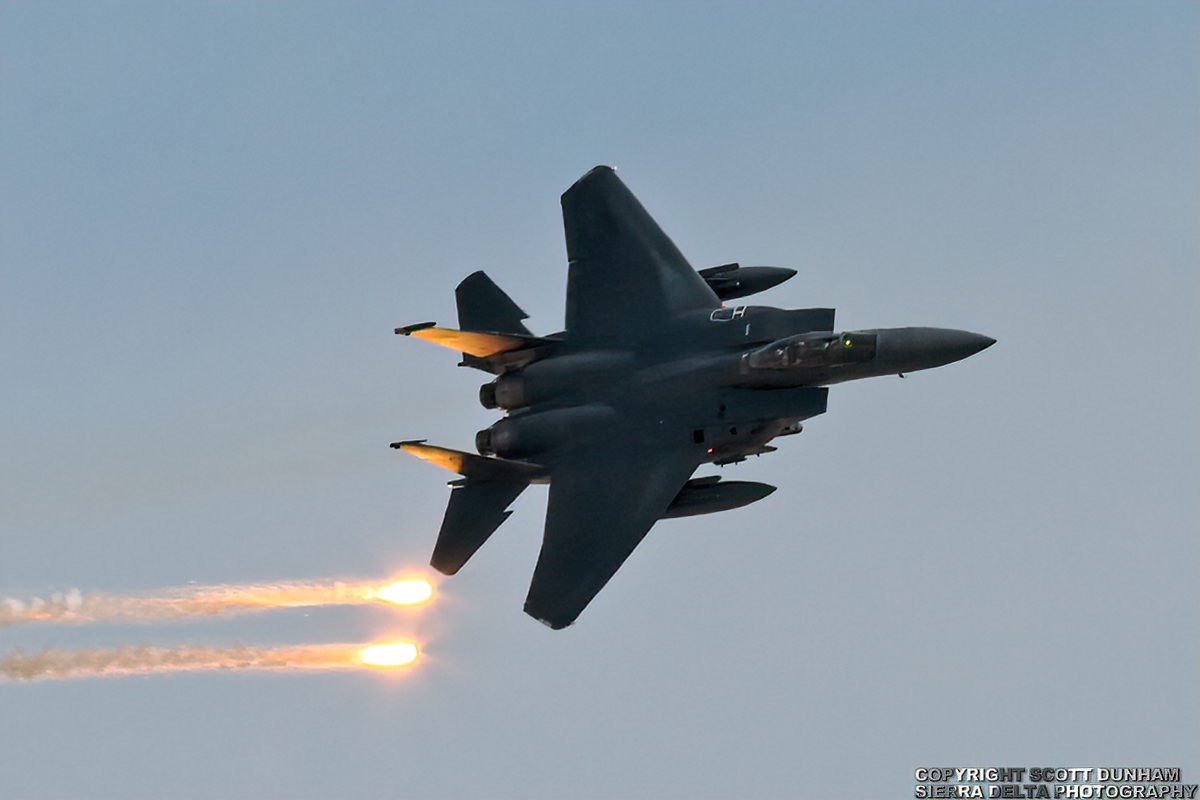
739,422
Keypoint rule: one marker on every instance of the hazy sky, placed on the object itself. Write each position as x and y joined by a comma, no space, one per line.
212,216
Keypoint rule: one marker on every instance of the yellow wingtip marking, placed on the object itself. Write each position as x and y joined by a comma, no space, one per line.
480,345
446,459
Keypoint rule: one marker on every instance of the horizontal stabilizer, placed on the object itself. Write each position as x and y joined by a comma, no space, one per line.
475,468
475,511
478,502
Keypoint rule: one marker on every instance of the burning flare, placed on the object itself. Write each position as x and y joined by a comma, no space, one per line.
53,662
406,593
395,654
193,600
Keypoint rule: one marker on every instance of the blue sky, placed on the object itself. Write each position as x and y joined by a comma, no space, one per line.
212,216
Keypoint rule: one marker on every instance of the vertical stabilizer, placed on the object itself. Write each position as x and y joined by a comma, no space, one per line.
483,306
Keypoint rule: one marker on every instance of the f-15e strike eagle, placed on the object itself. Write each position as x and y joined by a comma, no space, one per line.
652,377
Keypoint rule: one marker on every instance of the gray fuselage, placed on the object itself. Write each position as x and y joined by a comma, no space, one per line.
728,380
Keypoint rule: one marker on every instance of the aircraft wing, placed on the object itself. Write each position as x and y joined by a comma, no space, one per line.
604,498
625,275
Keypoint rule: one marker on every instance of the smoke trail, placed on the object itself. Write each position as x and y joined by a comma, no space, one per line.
129,659
195,600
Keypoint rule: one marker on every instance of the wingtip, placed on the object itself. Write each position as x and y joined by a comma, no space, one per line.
445,568
597,172
406,444
554,623
409,330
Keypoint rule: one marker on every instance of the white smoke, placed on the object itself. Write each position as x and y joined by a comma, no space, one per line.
74,607
53,662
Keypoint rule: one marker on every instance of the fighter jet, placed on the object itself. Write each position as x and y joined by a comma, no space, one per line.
653,376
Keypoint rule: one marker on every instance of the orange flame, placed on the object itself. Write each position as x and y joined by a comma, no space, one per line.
392,654
406,593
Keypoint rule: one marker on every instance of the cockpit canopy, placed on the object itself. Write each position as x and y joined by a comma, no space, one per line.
813,350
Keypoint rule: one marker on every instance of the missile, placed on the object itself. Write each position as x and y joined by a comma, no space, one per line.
731,280
708,494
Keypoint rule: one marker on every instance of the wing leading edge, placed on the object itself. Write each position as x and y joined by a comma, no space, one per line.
604,498
625,276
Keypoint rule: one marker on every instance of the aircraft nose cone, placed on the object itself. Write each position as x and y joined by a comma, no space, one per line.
909,349
948,346
972,343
